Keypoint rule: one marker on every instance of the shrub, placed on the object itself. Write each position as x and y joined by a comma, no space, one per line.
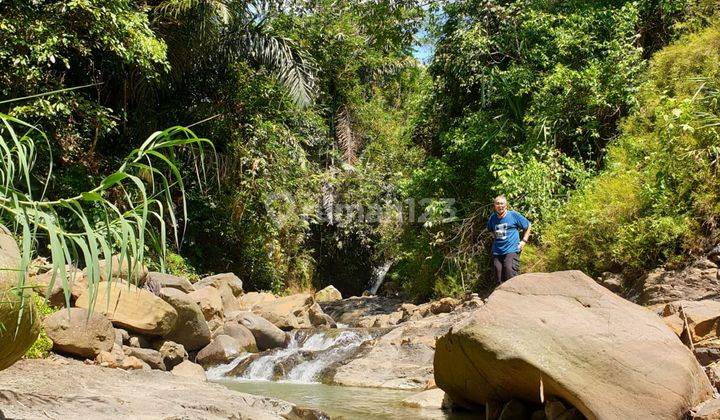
42,346
658,198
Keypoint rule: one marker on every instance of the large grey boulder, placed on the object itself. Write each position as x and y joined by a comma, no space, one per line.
287,312
577,341
241,334
188,369
328,294
74,331
209,300
149,356
698,281
229,279
400,359
221,350
191,330
168,280
267,336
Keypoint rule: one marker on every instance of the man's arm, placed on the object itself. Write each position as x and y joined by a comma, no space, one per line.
526,236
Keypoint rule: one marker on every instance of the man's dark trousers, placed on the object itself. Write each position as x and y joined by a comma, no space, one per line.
506,266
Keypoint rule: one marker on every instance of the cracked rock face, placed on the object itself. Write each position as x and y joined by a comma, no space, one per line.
604,355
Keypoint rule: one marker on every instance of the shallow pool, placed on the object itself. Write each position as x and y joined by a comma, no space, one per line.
341,402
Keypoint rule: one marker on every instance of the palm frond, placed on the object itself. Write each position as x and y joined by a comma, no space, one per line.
295,71
348,141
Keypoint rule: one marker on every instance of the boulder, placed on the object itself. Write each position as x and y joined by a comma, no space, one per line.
170,281
328,294
133,363
696,282
432,398
614,282
702,318
287,312
149,356
713,372
228,279
68,389
221,350
241,334
588,346
75,331
13,346
124,335
127,269
118,352
707,410
53,291
267,336
354,311
229,302
131,308
138,341
401,359
188,369
320,319
191,330
444,305
172,354
251,299
106,359
209,300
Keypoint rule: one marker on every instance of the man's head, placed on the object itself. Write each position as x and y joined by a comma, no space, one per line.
500,204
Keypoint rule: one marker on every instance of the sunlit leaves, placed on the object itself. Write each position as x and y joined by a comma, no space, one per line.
128,224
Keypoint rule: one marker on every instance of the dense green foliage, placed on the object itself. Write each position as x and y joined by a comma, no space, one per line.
299,99
658,198
339,152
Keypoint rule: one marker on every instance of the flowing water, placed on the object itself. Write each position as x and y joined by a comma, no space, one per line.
379,274
293,374
308,355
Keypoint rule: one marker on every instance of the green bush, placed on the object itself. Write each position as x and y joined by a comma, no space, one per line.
658,198
176,265
42,346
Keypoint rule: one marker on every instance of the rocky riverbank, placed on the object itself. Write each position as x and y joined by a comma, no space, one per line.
63,388
553,346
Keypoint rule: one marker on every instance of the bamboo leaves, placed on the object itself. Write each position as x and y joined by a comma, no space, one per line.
124,224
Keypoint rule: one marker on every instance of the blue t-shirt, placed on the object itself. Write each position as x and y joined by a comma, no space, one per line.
507,231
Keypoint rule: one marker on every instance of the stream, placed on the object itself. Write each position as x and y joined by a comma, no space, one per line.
293,374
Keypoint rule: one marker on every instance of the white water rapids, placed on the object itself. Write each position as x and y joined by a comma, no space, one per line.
303,361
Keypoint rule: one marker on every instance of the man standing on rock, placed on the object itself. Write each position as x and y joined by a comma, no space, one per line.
505,226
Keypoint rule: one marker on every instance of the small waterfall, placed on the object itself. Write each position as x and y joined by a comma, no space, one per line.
305,358
333,350
379,274
217,372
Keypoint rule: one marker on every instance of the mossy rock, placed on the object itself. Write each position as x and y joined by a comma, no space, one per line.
17,333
